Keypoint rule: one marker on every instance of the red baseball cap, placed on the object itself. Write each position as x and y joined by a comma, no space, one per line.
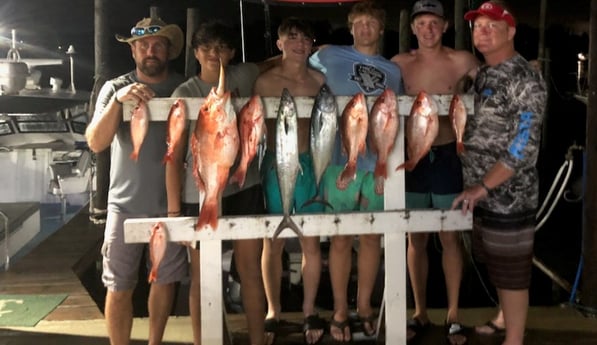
493,11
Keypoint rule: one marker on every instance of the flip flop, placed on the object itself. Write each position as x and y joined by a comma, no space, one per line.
312,323
370,321
495,329
417,327
454,330
342,326
272,326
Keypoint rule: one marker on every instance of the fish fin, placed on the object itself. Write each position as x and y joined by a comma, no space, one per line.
287,223
460,147
238,177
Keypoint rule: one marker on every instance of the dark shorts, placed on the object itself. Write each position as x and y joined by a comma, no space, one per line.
504,242
438,172
305,187
246,202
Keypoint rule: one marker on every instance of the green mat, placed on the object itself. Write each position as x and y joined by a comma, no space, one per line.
26,310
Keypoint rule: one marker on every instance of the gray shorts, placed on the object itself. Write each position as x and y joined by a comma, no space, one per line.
121,260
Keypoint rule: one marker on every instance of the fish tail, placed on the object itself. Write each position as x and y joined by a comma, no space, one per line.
381,170
167,158
153,275
348,174
208,216
409,165
460,147
379,185
287,223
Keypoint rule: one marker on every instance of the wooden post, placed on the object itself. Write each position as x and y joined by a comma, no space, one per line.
542,16
589,274
404,31
192,25
154,12
459,41
102,38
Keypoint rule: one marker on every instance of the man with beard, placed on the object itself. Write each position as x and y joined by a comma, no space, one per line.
137,189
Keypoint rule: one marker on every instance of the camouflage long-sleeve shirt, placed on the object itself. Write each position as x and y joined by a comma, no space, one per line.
510,100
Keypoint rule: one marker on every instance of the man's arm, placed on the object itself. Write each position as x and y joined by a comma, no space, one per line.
100,132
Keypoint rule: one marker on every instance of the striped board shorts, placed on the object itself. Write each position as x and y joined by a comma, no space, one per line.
504,242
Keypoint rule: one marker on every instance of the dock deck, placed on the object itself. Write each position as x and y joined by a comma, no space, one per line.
56,265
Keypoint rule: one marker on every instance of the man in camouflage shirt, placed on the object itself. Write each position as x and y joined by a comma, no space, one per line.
502,144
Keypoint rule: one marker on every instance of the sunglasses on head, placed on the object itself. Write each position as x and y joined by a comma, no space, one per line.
145,30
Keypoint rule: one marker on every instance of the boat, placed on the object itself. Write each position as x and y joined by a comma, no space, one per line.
46,166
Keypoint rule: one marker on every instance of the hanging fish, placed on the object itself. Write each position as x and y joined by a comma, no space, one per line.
287,159
457,115
353,132
214,144
139,126
252,130
422,127
177,120
158,242
383,129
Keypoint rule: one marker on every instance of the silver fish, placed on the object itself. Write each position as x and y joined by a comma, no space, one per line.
324,124
287,162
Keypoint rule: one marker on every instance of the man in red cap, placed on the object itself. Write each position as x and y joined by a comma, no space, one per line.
502,144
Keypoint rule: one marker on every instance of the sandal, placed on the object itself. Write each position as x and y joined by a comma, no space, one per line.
343,326
416,326
368,323
271,326
455,333
313,323
493,329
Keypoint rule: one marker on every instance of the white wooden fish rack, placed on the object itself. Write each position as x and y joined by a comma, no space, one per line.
393,223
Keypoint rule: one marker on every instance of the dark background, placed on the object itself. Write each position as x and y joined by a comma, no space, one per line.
45,29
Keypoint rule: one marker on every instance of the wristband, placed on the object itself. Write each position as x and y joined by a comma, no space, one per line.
484,186
174,213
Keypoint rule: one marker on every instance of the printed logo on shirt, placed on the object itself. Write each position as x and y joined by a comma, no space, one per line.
369,78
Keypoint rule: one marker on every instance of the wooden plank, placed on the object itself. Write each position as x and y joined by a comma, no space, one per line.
263,226
160,107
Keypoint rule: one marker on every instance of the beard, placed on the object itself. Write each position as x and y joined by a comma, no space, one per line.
152,67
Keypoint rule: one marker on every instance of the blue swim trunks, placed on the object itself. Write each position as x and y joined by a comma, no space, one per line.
305,188
358,196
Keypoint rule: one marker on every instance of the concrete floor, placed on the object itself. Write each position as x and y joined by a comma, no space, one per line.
546,326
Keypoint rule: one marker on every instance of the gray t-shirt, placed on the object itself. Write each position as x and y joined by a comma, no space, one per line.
239,80
137,187
510,100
